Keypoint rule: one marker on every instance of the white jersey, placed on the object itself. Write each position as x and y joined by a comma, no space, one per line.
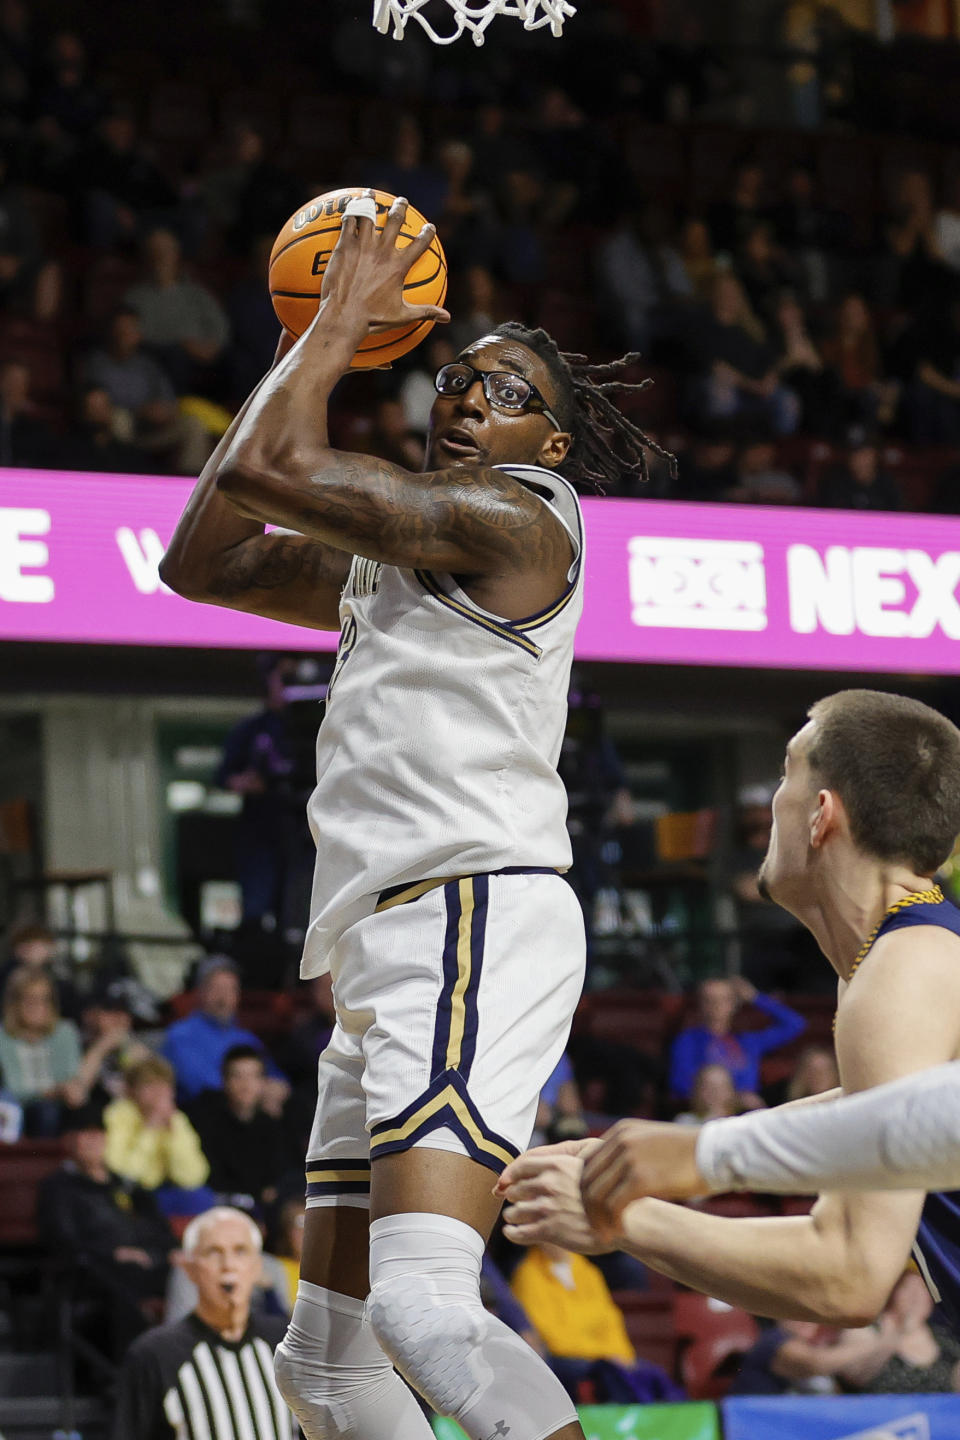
438,752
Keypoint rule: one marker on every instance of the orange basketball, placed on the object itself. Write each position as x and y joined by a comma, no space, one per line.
299,258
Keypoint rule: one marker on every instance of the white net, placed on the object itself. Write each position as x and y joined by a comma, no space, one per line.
472,15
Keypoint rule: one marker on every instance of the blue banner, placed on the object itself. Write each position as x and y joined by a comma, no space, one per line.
842,1417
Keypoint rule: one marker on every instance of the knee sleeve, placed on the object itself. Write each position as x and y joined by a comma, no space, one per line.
336,1379
424,1308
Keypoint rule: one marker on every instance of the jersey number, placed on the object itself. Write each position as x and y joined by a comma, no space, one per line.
348,638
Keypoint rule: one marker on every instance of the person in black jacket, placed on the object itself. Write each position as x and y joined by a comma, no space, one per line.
107,1232
243,1144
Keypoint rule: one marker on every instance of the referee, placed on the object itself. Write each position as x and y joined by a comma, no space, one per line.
209,1376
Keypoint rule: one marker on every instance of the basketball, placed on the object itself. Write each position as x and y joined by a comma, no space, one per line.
299,257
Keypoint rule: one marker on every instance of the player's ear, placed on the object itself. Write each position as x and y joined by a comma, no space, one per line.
554,450
825,818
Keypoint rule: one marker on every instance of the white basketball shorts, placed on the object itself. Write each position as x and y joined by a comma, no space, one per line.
454,1001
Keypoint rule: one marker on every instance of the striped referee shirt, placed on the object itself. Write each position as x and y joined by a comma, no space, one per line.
186,1382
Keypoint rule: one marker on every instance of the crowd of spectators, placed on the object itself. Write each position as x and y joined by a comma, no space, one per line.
164,1113
804,351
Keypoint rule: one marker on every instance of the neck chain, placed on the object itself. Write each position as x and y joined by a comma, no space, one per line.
933,896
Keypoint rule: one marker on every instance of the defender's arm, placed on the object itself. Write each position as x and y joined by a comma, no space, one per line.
900,1014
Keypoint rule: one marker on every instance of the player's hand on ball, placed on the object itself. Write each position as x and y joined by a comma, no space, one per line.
637,1158
542,1190
366,270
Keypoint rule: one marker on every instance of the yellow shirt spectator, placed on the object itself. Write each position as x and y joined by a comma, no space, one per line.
149,1140
570,1306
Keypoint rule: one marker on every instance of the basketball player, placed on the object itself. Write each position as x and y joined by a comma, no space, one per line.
456,949
867,810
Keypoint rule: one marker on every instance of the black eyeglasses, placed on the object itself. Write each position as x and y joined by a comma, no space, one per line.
503,389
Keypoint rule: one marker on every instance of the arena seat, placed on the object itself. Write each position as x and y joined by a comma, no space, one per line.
178,111
713,154
257,108
22,1167
737,1206
796,1204
712,1336
649,1321
571,320
644,1019
655,156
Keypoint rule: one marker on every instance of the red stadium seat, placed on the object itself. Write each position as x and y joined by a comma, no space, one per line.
649,1320
22,1167
178,112
644,1019
735,1206
712,1337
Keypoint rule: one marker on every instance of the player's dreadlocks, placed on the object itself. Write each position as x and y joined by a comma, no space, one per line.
605,442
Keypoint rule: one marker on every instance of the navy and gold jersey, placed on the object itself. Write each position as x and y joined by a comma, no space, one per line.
937,1248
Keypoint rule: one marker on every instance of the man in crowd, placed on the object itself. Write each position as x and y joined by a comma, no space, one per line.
243,1144
104,1228
196,1045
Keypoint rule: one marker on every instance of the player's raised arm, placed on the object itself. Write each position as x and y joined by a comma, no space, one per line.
220,557
465,518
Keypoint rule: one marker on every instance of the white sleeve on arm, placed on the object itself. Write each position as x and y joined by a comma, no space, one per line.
904,1135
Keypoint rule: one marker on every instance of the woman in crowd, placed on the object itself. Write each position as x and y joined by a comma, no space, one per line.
39,1052
854,362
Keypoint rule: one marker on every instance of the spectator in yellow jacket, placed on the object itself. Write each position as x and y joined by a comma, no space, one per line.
570,1306
153,1143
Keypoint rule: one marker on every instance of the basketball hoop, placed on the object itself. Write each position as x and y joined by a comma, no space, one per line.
472,15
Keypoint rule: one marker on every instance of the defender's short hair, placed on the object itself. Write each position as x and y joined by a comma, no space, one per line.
895,763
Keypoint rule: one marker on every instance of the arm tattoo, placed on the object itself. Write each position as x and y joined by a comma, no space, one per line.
268,562
481,514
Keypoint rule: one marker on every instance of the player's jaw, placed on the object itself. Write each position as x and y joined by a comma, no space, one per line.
786,875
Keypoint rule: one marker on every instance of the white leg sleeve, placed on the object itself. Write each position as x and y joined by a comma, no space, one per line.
336,1379
904,1135
424,1307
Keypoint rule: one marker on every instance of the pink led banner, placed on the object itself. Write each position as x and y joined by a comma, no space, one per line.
666,583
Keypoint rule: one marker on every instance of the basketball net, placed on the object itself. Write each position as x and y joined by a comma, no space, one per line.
472,15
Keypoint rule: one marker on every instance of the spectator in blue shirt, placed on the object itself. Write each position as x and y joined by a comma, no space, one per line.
715,1042
196,1045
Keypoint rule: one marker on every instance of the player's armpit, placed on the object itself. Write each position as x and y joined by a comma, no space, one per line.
467,520
281,576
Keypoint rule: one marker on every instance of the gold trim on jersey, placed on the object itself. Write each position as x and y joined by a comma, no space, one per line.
447,1096
486,622
413,892
458,1014
334,1176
